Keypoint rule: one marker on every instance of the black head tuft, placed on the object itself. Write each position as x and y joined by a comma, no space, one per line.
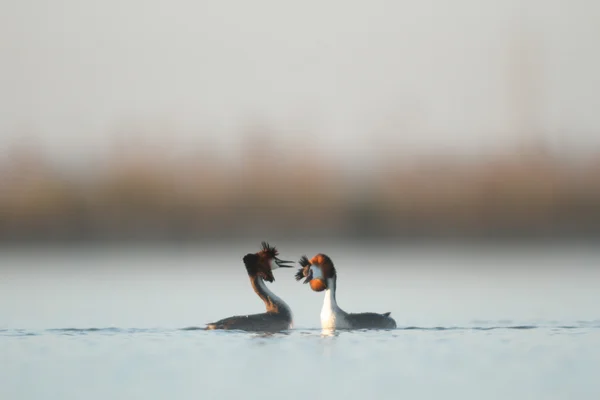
251,262
304,261
327,266
255,267
303,272
269,250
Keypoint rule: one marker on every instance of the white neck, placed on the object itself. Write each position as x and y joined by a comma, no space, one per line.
273,298
329,301
332,316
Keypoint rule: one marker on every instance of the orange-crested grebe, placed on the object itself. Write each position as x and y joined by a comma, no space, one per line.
320,273
278,317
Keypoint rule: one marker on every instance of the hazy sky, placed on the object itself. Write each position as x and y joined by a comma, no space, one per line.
420,74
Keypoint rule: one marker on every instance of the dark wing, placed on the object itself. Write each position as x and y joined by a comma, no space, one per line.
303,272
264,322
370,320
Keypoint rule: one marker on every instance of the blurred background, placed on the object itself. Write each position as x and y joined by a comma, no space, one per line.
444,154
202,121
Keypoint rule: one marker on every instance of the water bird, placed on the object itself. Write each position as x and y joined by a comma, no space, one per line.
260,268
320,274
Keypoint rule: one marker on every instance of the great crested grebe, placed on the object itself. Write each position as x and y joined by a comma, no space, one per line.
278,317
320,273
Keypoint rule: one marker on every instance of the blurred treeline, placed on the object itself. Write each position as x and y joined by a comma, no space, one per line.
526,194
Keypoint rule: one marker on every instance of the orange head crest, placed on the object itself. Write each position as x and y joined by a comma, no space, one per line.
318,284
316,271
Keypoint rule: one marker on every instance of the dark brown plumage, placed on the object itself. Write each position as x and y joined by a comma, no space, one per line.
278,316
269,250
303,272
371,320
264,322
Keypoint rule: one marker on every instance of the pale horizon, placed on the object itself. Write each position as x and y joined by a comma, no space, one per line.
354,80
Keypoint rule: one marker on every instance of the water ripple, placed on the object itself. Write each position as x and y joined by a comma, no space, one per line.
83,330
470,328
18,332
584,325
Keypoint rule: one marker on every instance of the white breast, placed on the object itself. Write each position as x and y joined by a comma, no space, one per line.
332,317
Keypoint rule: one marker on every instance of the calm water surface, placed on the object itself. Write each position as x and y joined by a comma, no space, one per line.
490,323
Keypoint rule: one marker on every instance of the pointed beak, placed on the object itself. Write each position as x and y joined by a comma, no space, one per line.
283,263
309,276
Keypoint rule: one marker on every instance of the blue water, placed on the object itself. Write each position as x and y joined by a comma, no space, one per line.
124,324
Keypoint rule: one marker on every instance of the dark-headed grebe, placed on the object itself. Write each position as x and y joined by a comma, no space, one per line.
278,317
